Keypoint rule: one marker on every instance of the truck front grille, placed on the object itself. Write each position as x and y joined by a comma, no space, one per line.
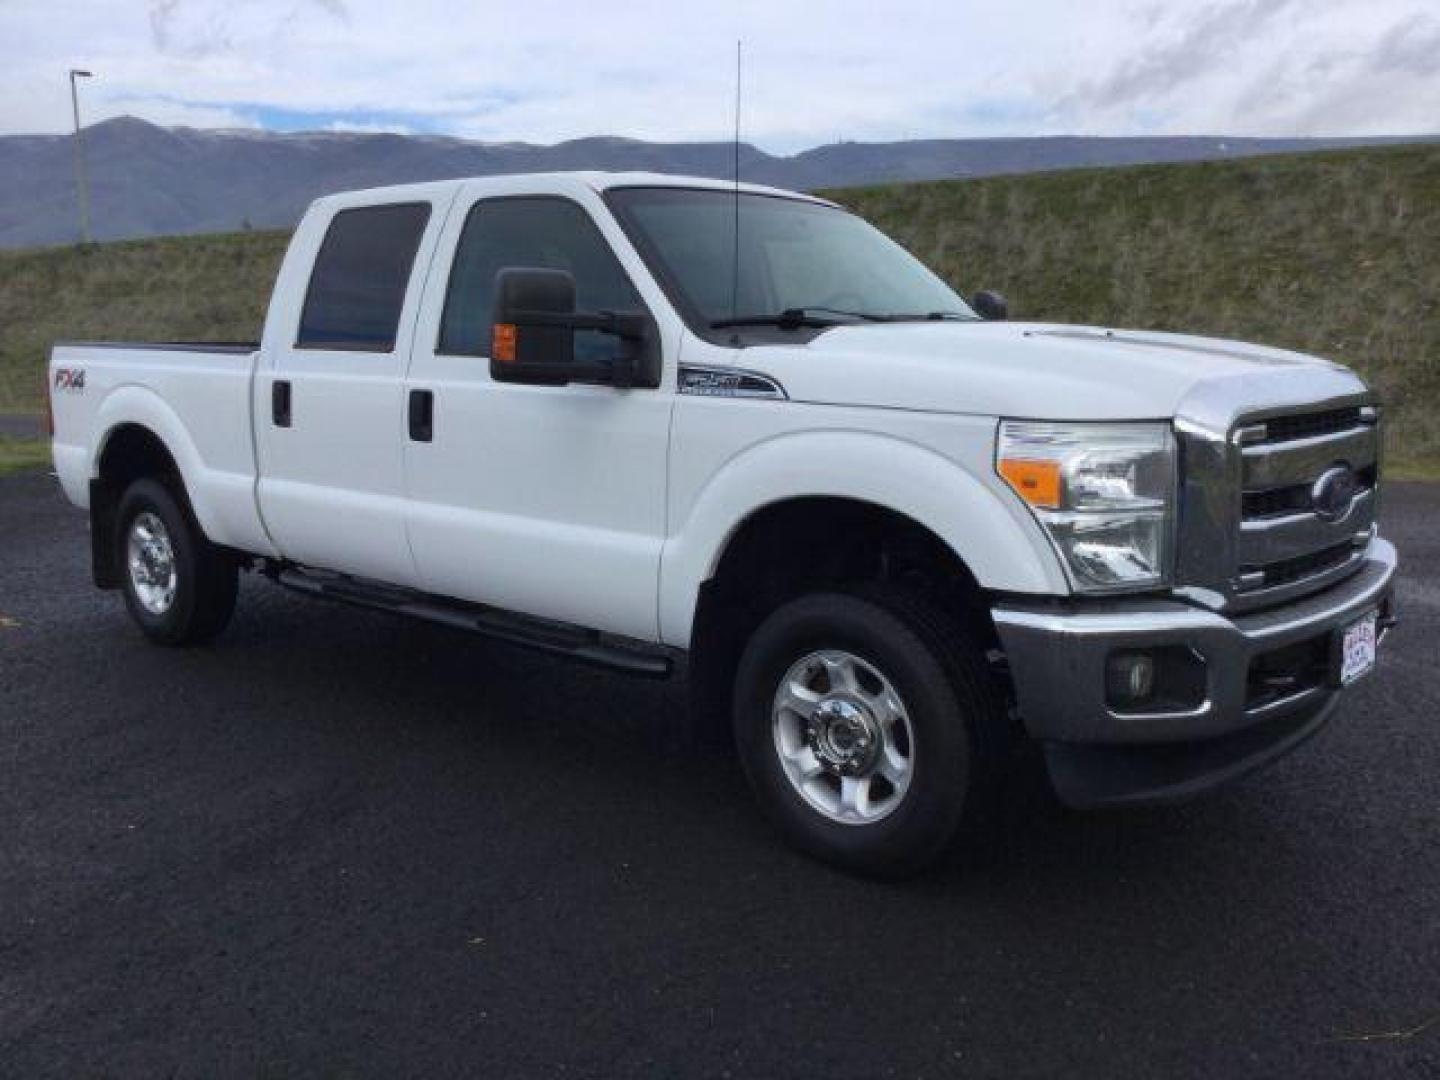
1259,526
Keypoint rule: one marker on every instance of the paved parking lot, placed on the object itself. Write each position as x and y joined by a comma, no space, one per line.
21,425
341,843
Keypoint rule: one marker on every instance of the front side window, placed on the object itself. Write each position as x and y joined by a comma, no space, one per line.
787,255
357,288
537,233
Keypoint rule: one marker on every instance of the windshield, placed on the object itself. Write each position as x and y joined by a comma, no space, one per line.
800,263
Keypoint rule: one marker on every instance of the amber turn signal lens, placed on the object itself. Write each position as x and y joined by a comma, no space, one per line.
1037,482
502,342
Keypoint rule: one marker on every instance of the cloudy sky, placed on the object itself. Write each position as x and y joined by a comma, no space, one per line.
816,71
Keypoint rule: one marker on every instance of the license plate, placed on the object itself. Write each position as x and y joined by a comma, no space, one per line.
1357,648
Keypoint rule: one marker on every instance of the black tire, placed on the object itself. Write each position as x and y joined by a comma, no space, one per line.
955,709
206,578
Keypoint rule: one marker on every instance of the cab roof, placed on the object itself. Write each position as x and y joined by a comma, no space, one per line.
592,180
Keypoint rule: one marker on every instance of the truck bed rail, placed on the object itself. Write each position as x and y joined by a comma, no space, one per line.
166,346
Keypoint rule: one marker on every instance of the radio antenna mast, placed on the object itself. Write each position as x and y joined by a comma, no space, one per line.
735,254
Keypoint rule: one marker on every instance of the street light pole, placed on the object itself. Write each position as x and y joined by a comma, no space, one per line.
81,183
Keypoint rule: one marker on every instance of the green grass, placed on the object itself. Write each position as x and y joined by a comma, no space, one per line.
1336,254
1425,469
18,454
173,288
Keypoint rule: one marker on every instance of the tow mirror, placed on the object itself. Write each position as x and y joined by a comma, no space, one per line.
533,334
990,305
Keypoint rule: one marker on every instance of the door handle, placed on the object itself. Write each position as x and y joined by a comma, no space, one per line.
280,402
422,415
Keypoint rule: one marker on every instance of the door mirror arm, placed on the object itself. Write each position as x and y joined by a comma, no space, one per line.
635,329
533,334
622,324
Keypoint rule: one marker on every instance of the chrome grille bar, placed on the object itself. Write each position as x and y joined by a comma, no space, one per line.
1278,539
1275,465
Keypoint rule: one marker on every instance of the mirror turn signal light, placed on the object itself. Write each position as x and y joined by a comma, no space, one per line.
1037,482
503,340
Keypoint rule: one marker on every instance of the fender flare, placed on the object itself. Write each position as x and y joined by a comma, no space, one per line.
131,404
985,526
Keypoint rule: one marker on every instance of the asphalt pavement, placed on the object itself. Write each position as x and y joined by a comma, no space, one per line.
22,425
340,843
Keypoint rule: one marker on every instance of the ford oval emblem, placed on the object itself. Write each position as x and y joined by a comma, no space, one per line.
1334,493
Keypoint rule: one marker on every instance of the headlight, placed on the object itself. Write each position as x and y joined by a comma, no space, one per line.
1105,494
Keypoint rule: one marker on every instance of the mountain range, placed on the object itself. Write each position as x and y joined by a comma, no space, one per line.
147,180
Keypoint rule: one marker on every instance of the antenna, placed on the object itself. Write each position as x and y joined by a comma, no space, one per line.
735,254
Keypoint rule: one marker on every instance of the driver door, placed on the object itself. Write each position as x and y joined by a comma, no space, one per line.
546,500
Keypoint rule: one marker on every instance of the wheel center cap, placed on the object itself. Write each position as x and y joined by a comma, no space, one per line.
843,736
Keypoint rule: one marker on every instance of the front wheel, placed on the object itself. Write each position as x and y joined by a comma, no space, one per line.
867,725
179,588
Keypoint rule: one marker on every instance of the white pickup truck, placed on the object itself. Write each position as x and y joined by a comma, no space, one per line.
631,418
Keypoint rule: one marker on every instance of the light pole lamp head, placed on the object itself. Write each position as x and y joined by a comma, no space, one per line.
76,73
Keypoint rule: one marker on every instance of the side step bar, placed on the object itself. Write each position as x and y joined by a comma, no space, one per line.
561,639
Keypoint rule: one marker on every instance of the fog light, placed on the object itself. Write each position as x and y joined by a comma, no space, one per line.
1129,678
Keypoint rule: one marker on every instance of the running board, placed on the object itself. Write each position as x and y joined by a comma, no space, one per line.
559,639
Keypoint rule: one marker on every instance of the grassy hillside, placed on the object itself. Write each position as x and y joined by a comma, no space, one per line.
1336,254
177,288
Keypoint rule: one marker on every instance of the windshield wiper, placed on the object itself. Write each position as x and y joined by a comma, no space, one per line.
936,316
797,317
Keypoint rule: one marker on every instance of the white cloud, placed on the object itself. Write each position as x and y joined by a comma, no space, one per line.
166,113
545,70
368,128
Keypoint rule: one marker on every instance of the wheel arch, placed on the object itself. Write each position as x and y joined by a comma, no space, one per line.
135,414
900,513
994,544
141,436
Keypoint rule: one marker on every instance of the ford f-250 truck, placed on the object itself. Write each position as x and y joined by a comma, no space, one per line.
631,418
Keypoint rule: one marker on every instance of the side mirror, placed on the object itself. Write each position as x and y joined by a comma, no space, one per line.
990,305
533,334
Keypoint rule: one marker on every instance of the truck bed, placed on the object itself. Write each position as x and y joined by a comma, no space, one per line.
195,395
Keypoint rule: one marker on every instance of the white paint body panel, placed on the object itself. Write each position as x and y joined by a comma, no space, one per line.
602,507
546,500
332,485
196,402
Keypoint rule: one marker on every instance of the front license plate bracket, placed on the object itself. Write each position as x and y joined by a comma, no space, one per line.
1355,648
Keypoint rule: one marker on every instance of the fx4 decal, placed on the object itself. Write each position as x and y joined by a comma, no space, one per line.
70,380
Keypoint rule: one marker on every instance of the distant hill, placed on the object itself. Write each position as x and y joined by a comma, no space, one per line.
1336,254
153,181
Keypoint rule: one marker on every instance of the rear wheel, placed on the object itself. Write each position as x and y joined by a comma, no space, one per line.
179,588
868,725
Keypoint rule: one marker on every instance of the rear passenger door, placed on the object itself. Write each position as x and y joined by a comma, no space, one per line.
547,500
329,395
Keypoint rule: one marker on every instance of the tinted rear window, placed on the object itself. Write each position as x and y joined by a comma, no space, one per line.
357,287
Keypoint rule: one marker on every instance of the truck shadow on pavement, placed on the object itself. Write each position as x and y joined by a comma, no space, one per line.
631,750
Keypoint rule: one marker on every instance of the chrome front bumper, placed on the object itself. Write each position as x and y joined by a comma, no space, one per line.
1099,755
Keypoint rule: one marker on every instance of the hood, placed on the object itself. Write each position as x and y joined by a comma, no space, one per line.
1038,370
